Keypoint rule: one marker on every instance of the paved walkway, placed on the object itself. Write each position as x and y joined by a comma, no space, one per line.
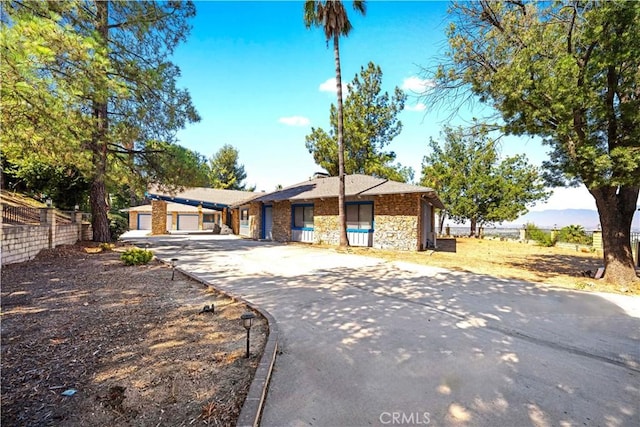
368,342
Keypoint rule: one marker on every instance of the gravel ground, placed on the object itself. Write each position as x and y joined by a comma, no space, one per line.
128,343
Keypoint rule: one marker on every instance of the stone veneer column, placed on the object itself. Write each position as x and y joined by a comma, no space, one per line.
281,221
255,220
158,217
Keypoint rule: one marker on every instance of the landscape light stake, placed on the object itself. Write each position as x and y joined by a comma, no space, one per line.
247,320
173,267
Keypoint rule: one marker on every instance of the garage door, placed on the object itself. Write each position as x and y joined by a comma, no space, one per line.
187,222
144,221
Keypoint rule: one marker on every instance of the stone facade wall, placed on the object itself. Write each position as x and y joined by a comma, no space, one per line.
281,221
255,220
133,220
398,223
235,220
158,217
326,227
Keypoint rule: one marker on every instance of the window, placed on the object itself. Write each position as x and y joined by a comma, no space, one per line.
244,216
302,216
360,216
208,218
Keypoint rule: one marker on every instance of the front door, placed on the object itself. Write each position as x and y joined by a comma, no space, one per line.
267,223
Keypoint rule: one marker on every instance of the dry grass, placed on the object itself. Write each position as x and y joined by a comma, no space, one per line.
510,260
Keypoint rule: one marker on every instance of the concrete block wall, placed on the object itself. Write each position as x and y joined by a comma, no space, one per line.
66,234
86,232
23,242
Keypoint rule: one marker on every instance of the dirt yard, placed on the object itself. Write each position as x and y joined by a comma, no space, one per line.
511,260
128,344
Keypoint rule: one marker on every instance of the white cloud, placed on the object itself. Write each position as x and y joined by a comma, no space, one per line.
416,84
329,85
295,121
418,107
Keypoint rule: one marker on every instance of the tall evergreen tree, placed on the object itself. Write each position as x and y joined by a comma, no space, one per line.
332,17
370,124
90,83
225,171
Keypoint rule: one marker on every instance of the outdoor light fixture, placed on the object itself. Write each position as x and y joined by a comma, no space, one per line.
49,202
247,321
76,208
173,267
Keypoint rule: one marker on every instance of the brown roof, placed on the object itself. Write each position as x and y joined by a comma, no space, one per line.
355,185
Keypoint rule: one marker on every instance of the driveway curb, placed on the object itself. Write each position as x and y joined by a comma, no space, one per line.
254,401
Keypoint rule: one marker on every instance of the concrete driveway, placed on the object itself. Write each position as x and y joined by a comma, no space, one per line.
368,342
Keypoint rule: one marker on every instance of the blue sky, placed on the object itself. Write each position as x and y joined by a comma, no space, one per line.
261,80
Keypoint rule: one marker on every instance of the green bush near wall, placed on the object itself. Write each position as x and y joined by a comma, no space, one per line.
136,256
543,238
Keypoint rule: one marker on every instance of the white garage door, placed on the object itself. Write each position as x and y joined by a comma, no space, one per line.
144,221
187,222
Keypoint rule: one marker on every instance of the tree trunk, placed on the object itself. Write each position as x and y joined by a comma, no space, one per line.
342,217
472,230
616,207
98,196
442,217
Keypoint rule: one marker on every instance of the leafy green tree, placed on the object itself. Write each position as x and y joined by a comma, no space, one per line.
574,234
225,171
474,184
89,83
62,183
566,72
332,17
370,123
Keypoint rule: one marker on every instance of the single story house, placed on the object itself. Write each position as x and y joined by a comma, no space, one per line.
178,217
380,213
208,206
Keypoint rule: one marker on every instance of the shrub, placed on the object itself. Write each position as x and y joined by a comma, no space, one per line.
574,234
107,246
543,238
117,225
136,256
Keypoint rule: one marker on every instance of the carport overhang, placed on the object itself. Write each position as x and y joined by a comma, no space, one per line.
189,202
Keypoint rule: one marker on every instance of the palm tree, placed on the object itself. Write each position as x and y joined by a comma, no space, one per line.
332,17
